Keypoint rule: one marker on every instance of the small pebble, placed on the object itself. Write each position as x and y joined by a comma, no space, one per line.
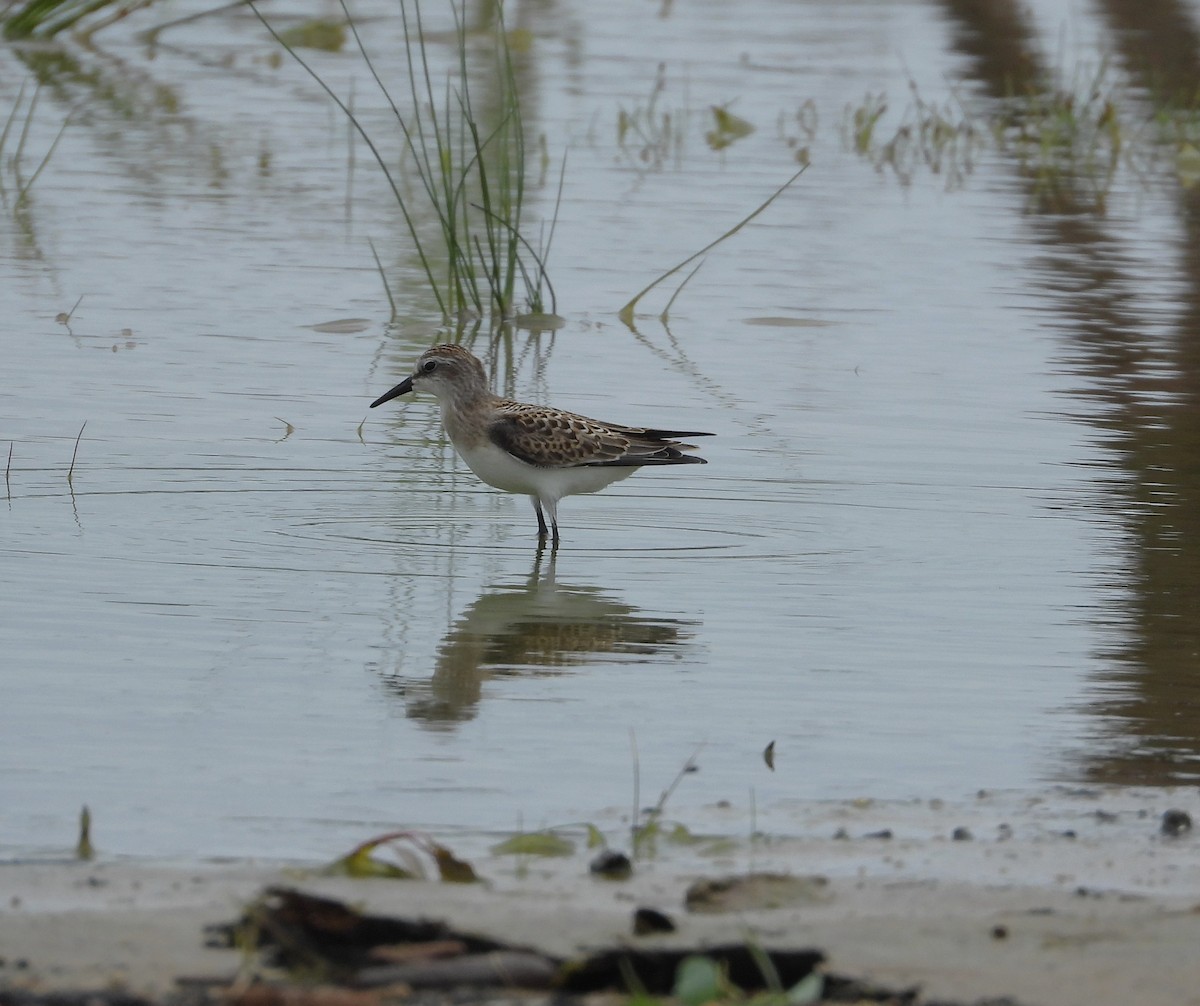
999,932
961,834
650,920
1175,822
883,833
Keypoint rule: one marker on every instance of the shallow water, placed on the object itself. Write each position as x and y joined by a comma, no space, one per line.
946,539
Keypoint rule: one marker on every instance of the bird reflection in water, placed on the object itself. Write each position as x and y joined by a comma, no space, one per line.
540,628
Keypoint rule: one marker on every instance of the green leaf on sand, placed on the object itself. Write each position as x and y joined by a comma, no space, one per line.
698,980
810,989
534,843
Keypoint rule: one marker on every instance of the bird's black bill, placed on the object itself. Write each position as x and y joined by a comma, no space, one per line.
403,388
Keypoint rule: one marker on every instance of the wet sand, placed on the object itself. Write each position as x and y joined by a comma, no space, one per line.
1107,910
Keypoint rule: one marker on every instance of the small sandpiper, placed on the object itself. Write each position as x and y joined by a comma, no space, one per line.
538,451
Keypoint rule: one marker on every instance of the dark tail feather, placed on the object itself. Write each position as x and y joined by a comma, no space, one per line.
668,454
673,434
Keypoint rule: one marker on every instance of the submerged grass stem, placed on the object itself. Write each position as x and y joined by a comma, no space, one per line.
74,454
25,114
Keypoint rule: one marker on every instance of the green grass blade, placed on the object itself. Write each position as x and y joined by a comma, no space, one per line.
520,238
408,220
562,177
626,313
666,312
423,171
383,277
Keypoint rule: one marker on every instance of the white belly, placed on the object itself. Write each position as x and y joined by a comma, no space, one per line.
498,468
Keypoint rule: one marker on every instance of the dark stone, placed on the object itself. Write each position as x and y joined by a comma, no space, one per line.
612,865
651,920
1175,823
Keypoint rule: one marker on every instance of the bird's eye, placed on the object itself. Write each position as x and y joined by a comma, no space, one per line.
429,366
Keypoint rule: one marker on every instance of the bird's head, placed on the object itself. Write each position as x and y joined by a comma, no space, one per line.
445,371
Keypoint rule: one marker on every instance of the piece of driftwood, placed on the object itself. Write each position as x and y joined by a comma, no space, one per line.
513,969
305,931
107,997
326,940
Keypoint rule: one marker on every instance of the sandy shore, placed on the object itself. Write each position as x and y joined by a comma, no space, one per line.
1058,900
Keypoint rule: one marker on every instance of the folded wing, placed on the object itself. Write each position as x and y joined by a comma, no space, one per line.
549,438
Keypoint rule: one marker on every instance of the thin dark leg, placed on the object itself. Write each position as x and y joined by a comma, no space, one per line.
542,529
554,538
